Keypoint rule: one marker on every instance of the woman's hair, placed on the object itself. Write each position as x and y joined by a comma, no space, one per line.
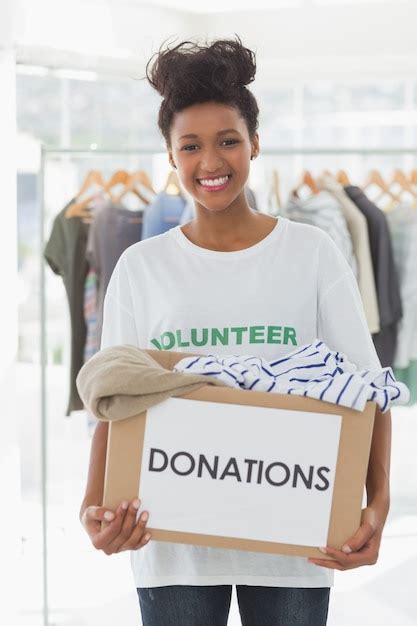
190,73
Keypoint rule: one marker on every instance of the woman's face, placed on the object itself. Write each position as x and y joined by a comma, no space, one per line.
211,148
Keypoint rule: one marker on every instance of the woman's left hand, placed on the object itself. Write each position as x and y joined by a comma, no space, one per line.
361,549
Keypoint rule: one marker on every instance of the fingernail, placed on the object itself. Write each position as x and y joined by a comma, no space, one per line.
147,537
324,550
136,504
144,516
125,505
109,516
346,549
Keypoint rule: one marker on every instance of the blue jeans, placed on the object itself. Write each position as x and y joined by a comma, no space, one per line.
183,605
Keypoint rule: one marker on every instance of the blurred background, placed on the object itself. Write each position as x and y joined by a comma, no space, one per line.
337,91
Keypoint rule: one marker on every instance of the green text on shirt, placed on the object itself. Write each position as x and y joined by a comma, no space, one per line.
237,335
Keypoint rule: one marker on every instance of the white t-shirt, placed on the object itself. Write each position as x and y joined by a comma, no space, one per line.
286,290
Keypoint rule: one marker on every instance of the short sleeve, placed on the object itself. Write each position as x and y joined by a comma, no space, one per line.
342,323
119,326
152,219
55,249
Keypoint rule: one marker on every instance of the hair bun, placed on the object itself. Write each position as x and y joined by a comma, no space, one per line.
191,73
189,69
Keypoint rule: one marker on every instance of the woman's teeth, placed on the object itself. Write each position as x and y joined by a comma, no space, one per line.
213,182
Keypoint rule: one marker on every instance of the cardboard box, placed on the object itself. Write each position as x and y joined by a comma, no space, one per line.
275,500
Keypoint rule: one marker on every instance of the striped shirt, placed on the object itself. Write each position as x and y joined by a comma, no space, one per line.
313,371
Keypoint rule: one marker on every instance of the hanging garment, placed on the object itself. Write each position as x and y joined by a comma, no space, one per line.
408,376
162,214
358,229
188,213
114,229
92,340
92,344
266,300
251,198
403,227
65,253
323,210
386,276
123,381
313,371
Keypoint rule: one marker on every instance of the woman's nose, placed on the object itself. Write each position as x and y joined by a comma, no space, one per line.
211,162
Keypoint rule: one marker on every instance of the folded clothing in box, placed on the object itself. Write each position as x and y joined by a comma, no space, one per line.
313,371
123,381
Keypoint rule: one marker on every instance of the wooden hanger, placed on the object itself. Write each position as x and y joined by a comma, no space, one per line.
323,178
309,182
80,208
413,181
142,177
119,177
129,190
375,178
126,192
172,185
94,177
132,186
413,177
343,178
400,178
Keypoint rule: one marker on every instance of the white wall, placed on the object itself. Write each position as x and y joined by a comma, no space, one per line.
95,34
359,40
9,457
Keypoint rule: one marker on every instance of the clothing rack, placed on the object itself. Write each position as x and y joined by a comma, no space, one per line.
48,152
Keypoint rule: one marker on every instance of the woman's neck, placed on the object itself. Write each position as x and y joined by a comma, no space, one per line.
232,229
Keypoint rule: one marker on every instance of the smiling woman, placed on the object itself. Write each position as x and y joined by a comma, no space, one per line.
209,120
231,281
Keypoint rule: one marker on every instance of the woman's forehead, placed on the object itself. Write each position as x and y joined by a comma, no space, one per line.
208,118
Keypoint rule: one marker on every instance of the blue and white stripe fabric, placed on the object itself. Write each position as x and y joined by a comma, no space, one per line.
313,371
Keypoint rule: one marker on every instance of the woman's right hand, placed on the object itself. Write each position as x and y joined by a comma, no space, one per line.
123,532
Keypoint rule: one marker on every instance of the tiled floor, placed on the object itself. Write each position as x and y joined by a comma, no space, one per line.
86,588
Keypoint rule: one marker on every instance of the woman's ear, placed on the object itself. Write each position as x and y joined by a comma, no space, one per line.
170,158
255,146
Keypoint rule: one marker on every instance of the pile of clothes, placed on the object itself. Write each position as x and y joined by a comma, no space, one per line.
123,381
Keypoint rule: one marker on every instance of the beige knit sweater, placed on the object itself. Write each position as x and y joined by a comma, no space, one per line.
123,381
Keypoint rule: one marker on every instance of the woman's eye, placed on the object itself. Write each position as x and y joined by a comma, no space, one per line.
192,146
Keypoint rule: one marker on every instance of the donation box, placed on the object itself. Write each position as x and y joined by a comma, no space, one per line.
243,469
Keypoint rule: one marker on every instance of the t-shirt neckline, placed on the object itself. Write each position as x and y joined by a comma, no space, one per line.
186,244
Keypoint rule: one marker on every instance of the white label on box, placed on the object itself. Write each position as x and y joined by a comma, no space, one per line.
240,471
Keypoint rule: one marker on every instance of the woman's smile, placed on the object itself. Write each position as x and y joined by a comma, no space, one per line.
211,184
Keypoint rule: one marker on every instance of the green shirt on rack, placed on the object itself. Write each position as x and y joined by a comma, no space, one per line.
65,253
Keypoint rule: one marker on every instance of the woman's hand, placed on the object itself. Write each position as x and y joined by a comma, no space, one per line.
361,549
122,532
